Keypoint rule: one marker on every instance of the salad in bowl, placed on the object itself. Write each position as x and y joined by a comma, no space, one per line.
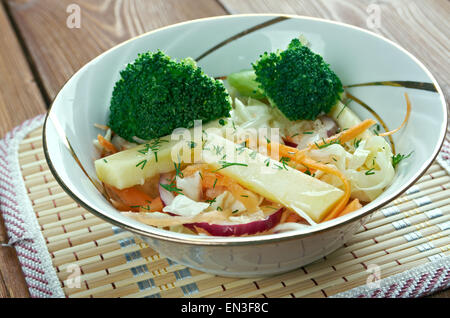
270,149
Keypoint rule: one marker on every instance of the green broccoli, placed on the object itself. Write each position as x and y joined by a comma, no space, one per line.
157,94
298,81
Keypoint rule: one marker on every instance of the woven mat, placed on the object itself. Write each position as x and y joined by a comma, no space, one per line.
65,251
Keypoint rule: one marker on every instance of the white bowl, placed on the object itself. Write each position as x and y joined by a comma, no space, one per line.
227,44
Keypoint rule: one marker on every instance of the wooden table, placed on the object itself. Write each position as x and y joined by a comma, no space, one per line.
39,51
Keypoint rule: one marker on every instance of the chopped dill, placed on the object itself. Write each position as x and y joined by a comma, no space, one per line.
345,105
218,149
284,161
242,146
211,201
253,154
229,164
279,167
398,158
325,144
171,188
142,164
178,170
356,142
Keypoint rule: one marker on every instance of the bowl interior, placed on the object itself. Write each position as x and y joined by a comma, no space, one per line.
357,56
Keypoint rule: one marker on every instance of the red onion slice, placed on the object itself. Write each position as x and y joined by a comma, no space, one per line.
240,229
290,143
166,196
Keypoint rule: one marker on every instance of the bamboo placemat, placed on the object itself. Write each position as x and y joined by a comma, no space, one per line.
411,232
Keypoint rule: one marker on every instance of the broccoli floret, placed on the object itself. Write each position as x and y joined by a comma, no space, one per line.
298,81
157,94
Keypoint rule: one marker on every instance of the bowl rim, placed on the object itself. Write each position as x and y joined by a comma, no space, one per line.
145,230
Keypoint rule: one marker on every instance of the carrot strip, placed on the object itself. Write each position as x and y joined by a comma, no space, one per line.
108,146
134,200
346,135
352,206
300,157
212,180
292,218
347,188
408,112
343,137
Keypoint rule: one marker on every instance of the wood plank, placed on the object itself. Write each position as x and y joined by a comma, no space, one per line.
59,51
20,98
422,28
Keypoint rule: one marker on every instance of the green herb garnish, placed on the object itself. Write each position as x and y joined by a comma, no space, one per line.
211,201
398,158
142,164
229,164
171,188
178,170
356,143
325,144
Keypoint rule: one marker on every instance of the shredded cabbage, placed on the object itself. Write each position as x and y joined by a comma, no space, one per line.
366,162
368,169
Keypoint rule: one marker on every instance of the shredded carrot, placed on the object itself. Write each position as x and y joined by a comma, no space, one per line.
299,156
343,137
331,170
133,199
352,206
211,180
408,112
292,217
108,146
346,135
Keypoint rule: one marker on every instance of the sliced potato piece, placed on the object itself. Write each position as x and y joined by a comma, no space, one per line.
270,178
133,166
